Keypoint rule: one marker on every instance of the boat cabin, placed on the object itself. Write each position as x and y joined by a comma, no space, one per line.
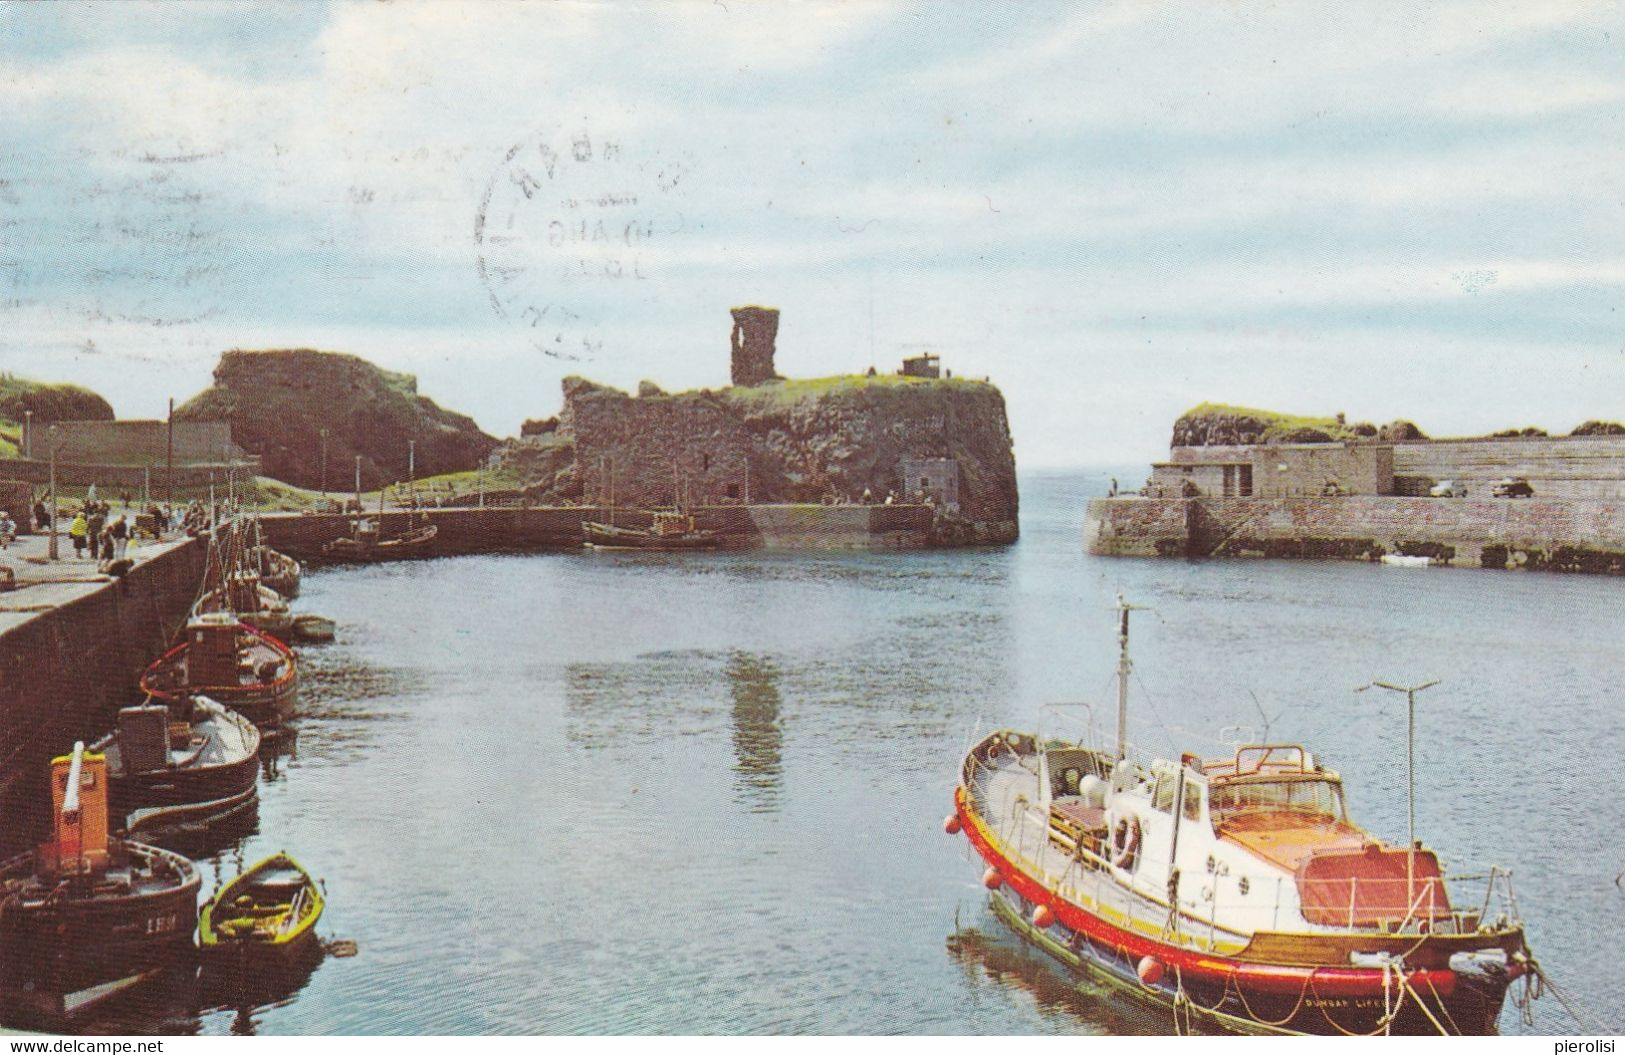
78,844
666,524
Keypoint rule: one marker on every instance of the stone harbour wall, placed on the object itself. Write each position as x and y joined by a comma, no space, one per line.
1564,534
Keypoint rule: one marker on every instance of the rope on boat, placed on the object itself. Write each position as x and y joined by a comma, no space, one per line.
1423,1004
1444,1009
1534,990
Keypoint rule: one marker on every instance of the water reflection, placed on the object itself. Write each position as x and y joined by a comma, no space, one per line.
249,988
757,730
997,957
275,746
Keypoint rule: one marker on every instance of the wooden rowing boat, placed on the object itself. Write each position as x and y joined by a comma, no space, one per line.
269,912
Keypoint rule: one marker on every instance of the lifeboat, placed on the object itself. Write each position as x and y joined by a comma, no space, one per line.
1234,891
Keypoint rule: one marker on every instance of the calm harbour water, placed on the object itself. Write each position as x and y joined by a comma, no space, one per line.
609,793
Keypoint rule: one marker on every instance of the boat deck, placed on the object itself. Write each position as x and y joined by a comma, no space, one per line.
1006,794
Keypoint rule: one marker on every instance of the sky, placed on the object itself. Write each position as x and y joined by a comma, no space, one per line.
1113,210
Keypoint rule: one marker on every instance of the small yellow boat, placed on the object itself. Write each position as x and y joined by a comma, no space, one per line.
270,910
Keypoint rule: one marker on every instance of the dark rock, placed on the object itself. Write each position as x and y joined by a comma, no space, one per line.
278,402
50,402
649,390
1600,428
1400,431
1304,435
827,440
533,427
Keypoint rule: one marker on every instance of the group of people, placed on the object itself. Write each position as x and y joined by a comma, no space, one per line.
107,536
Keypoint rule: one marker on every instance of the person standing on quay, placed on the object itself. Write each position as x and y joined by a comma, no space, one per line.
77,532
95,521
120,530
42,518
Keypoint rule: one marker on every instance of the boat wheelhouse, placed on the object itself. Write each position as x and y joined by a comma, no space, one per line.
244,668
85,917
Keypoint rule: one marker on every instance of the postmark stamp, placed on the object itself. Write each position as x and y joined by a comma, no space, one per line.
572,224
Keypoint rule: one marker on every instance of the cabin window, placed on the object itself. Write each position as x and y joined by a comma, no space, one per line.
1315,798
705,463
925,482
733,490
1163,797
1193,802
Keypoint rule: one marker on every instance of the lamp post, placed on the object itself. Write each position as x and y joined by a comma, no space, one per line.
1410,692
324,466
50,439
412,470
28,434
358,483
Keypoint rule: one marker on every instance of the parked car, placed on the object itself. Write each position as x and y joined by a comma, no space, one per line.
1511,487
1448,489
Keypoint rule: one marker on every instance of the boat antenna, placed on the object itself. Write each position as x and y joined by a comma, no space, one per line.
1124,667
1268,721
1410,692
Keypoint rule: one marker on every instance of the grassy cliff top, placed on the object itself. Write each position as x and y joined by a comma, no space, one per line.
799,389
1275,422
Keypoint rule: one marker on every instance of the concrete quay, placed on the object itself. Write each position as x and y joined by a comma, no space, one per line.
73,643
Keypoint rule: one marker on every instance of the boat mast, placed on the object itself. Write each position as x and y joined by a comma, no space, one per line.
1124,667
1410,692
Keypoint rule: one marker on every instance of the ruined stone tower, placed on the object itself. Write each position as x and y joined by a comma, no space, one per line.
755,330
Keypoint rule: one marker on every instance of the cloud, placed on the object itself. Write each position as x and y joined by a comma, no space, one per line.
1174,199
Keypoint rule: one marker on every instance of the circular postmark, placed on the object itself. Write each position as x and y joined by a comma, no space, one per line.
568,233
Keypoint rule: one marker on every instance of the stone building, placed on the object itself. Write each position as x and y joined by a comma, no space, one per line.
1286,470
932,479
926,365
754,335
140,442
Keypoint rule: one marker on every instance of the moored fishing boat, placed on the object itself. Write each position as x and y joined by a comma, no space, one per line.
668,531
277,570
188,750
86,917
246,669
196,829
251,601
365,546
1232,890
269,913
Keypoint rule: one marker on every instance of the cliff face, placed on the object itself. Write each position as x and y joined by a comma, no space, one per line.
797,441
278,402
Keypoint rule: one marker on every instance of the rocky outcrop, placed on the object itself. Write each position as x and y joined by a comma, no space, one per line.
1599,428
279,402
50,402
824,440
1400,431
1215,425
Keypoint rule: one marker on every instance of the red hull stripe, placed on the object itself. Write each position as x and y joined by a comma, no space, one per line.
1193,964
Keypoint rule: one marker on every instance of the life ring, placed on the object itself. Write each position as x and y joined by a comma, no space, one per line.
1126,843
